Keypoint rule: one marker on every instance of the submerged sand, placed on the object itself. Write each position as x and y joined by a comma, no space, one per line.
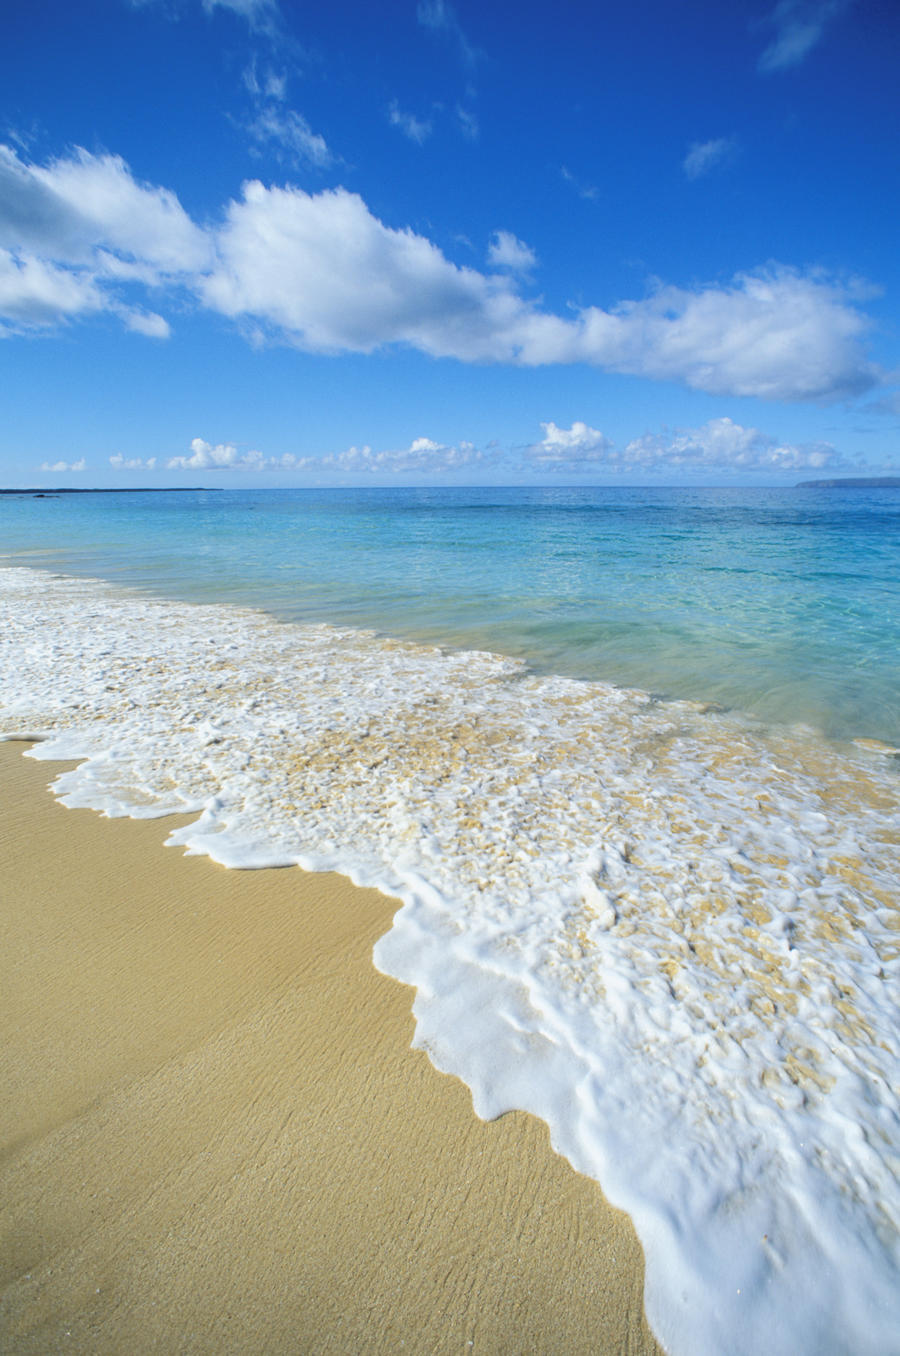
215,1137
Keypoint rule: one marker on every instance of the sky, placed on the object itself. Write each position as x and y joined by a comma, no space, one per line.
268,243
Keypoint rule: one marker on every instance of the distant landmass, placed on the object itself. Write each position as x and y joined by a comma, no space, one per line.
853,483
41,492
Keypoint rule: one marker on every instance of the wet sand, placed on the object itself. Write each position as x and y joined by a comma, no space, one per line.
215,1137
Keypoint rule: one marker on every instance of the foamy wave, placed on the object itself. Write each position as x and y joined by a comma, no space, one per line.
671,934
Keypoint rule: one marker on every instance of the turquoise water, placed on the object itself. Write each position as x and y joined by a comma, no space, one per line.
780,603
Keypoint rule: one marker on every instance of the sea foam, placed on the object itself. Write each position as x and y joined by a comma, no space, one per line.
669,932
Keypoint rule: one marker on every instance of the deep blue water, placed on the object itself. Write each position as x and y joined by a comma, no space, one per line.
781,603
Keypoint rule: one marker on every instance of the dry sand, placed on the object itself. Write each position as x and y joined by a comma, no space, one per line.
215,1137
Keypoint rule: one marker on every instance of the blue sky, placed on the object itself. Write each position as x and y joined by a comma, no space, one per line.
253,242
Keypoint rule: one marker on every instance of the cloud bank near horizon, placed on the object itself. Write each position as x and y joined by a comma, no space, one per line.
81,236
721,444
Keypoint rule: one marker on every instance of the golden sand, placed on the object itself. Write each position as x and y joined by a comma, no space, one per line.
215,1137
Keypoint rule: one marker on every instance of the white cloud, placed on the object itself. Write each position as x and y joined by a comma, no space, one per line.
721,444
332,277
321,272
149,323
777,334
223,457
290,132
64,466
704,156
799,25
577,445
34,292
226,457
86,201
507,251
718,445
132,463
423,456
70,228
416,129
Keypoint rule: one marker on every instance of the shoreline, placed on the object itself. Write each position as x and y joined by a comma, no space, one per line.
218,1138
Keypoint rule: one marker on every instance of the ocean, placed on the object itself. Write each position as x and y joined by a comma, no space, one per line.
629,758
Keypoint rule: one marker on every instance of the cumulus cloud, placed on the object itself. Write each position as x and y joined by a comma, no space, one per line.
35,292
332,277
321,272
132,463
424,456
578,445
507,251
777,334
72,227
223,457
725,445
416,129
799,25
718,445
149,323
82,203
63,466
704,156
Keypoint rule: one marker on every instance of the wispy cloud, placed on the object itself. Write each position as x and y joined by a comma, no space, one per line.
416,129
584,190
262,16
799,26
265,84
468,123
441,18
704,156
291,135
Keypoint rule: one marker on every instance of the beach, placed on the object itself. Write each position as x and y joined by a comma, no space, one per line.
217,1138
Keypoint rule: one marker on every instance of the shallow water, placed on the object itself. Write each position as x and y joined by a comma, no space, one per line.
670,930
779,603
